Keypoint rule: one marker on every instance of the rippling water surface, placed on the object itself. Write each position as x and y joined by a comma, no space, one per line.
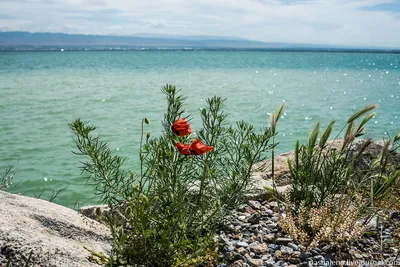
42,92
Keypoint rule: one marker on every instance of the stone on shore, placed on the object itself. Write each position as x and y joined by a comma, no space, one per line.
55,235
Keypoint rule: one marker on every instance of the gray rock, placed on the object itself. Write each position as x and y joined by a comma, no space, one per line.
255,262
92,211
296,254
56,235
230,248
283,240
238,256
254,227
242,244
259,248
272,225
294,260
273,205
242,218
241,250
304,256
274,246
315,252
319,258
254,204
275,218
265,257
269,238
254,219
238,263
280,263
268,212
286,250
293,246
318,250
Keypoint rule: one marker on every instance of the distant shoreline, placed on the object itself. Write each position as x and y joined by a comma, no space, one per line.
46,41
182,49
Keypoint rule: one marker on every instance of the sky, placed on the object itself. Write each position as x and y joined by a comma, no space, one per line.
366,23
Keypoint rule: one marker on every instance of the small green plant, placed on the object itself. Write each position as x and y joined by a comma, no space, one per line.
7,178
320,170
167,214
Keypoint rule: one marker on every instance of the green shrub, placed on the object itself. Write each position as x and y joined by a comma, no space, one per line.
167,214
329,196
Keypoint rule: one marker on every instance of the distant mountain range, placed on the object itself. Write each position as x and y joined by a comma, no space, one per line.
11,41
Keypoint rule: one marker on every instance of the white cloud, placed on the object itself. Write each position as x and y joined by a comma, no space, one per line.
341,22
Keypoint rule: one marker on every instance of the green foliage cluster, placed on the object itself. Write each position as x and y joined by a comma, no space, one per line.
167,214
326,184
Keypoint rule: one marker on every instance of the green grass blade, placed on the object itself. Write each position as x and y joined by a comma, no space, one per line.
326,134
364,121
361,112
396,138
350,130
280,111
312,139
273,122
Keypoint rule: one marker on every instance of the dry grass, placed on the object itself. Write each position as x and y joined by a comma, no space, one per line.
335,222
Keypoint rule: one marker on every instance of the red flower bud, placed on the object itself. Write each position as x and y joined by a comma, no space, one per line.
198,148
183,149
181,127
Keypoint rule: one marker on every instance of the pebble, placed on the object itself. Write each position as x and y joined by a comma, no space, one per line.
242,244
314,252
293,246
259,248
255,262
254,204
283,240
269,238
269,212
286,250
230,248
254,219
241,250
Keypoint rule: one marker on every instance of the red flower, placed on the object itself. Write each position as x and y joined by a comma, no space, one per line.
198,148
181,127
183,149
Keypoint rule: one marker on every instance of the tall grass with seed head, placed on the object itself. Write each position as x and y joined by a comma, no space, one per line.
328,199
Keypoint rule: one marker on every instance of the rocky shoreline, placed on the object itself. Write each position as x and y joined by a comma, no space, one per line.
252,236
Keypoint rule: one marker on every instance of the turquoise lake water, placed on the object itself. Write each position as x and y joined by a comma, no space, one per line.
42,92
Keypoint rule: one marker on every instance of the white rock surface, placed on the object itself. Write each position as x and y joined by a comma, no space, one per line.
57,235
